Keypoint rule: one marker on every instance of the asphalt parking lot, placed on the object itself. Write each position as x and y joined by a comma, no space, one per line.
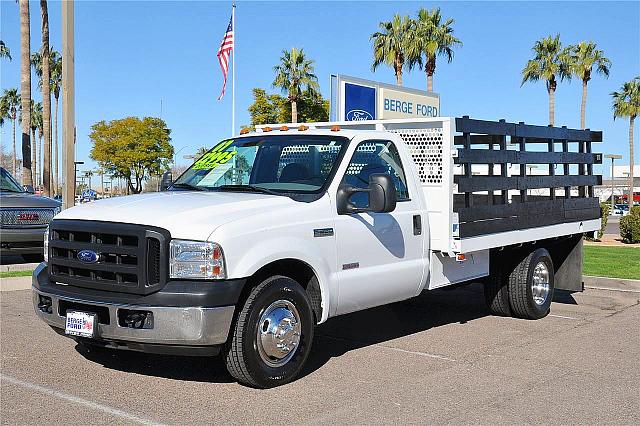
436,359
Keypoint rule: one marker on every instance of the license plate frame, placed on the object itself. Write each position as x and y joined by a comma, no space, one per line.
80,324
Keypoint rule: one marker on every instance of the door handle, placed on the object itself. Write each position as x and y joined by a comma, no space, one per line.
417,224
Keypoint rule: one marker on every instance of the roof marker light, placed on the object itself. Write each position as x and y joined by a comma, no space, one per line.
302,128
267,129
335,128
284,128
244,131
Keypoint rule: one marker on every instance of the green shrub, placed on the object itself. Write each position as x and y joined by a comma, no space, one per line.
605,208
630,226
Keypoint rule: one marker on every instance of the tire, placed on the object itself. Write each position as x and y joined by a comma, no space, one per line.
496,291
249,355
528,299
33,257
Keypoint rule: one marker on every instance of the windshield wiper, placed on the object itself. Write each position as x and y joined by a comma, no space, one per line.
11,190
247,188
187,186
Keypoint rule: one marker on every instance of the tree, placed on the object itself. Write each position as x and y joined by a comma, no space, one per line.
25,87
132,148
390,44
626,103
4,51
9,105
45,83
549,63
430,37
582,58
293,75
36,128
273,108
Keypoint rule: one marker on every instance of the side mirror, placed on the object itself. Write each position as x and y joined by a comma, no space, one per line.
166,181
382,196
29,189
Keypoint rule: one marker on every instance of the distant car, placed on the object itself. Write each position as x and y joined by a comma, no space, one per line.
24,219
620,210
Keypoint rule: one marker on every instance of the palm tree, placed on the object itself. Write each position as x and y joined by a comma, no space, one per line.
549,63
390,44
293,75
432,38
626,103
36,127
9,105
46,99
583,57
4,51
25,88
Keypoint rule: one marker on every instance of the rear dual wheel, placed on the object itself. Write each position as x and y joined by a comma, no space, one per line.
525,290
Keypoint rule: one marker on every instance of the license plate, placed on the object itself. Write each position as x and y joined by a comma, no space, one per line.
80,324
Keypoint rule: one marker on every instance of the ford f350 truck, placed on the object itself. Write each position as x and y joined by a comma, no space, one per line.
277,230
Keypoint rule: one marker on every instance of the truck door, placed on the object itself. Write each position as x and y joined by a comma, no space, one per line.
380,255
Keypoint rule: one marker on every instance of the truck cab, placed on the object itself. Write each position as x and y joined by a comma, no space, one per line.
274,231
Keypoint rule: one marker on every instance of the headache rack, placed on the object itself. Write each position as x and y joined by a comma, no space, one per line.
490,184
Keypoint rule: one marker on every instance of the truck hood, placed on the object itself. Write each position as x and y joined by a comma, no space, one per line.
27,201
186,215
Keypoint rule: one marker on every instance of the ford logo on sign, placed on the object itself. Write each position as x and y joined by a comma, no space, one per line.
359,115
88,256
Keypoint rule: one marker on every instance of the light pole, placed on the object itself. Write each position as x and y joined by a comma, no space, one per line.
175,154
613,158
68,104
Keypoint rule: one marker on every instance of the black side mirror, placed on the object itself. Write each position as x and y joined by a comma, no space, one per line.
29,189
166,181
382,196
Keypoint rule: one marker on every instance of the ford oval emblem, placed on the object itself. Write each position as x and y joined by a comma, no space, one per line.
88,256
359,115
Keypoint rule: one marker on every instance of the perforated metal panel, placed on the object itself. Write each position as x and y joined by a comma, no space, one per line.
425,146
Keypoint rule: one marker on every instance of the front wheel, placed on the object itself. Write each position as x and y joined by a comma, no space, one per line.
272,335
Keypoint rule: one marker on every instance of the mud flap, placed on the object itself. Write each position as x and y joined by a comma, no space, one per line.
567,262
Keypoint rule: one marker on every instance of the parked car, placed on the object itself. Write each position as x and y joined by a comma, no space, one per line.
620,210
24,219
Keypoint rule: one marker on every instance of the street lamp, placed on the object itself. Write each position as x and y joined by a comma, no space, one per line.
613,158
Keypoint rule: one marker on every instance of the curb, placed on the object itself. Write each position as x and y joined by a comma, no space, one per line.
606,283
19,267
15,283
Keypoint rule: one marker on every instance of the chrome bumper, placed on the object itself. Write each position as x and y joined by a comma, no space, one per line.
171,326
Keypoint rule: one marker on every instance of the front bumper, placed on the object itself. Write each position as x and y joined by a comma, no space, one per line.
179,326
22,240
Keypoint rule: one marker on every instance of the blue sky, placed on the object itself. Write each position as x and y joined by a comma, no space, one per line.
131,56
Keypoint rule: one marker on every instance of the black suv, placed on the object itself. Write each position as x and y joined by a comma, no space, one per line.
24,217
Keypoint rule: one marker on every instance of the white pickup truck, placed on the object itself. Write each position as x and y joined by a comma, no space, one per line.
277,230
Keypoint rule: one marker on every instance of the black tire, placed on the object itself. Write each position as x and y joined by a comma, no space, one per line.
496,290
33,257
521,297
243,359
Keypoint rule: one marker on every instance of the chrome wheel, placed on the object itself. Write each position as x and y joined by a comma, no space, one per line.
540,283
278,334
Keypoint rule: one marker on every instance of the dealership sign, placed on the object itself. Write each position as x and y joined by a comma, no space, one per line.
355,99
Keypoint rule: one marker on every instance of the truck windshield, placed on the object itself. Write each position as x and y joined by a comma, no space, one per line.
269,164
8,183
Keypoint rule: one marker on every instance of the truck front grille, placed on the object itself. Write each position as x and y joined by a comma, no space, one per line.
108,256
28,218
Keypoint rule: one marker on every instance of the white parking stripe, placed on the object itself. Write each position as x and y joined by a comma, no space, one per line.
624,290
90,404
561,316
416,353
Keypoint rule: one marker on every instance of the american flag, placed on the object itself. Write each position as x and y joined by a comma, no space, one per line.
223,54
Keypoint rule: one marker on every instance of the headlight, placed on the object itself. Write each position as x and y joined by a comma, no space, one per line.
46,245
196,260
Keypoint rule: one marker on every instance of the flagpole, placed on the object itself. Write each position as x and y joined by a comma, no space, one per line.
233,72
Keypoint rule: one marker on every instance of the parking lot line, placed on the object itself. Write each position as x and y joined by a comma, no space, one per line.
562,316
81,401
416,353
